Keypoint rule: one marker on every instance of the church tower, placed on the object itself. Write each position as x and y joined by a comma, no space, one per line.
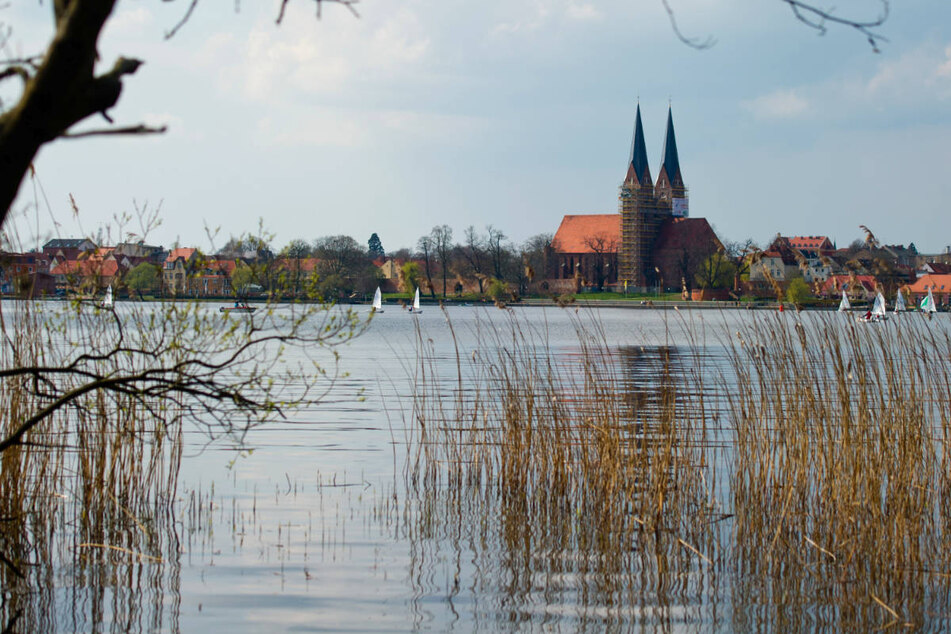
670,182
642,211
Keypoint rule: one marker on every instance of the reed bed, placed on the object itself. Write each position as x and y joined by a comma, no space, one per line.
586,485
840,473
85,502
798,481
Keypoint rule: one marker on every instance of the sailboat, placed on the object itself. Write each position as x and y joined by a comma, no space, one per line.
844,305
377,306
106,302
415,307
878,310
900,302
927,304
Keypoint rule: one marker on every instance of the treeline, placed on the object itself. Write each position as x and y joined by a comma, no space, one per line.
337,267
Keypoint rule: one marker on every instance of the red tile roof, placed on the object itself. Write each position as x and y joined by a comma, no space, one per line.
939,268
588,234
693,234
937,284
185,253
91,267
836,283
811,243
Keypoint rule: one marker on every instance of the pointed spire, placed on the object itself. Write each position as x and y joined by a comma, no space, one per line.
638,169
670,162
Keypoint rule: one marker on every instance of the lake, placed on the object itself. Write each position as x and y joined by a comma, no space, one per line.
379,510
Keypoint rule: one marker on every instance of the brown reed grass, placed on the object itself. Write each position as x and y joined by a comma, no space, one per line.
557,465
826,509
89,492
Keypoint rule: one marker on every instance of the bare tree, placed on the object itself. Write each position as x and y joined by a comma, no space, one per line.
344,265
441,238
475,255
497,252
295,251
426,251
604,250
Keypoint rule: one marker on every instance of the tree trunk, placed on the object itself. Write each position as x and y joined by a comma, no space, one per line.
61,93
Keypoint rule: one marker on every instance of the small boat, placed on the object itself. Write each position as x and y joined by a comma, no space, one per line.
377,306
844,305
415,307
106,303
239,307
900,303
878,310
927,304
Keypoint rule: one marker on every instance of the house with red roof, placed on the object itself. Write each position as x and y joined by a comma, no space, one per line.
179,264
90,273
779,262
585,250
294,274
211,277
935,268
939,285
857,287
812,246
61,249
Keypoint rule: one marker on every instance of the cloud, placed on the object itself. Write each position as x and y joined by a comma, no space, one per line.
944,69
780,104
347,128
583,11
920,73
326,128
534,15
127,22
309,58
918,81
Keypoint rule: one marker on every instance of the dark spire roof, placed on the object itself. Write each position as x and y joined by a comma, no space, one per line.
638,169
670,162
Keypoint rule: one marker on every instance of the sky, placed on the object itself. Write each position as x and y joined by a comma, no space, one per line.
507,113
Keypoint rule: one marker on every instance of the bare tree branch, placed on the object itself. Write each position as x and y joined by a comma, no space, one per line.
817,18
136,129
188,14
692,42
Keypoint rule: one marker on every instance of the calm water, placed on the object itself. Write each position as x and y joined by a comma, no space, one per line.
311,525
320,543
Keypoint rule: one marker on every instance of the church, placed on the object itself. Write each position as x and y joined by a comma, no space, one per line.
651,243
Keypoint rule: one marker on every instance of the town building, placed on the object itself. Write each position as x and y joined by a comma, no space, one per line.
26,274
584,251
178,265
939,285
62,249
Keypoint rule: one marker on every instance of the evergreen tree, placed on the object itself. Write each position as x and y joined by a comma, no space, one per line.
375,247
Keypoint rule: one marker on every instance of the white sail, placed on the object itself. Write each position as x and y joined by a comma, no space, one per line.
415,308
927,304
107,298
900,302
377,301
878,308
844,305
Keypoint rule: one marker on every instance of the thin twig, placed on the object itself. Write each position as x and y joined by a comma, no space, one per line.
137,129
